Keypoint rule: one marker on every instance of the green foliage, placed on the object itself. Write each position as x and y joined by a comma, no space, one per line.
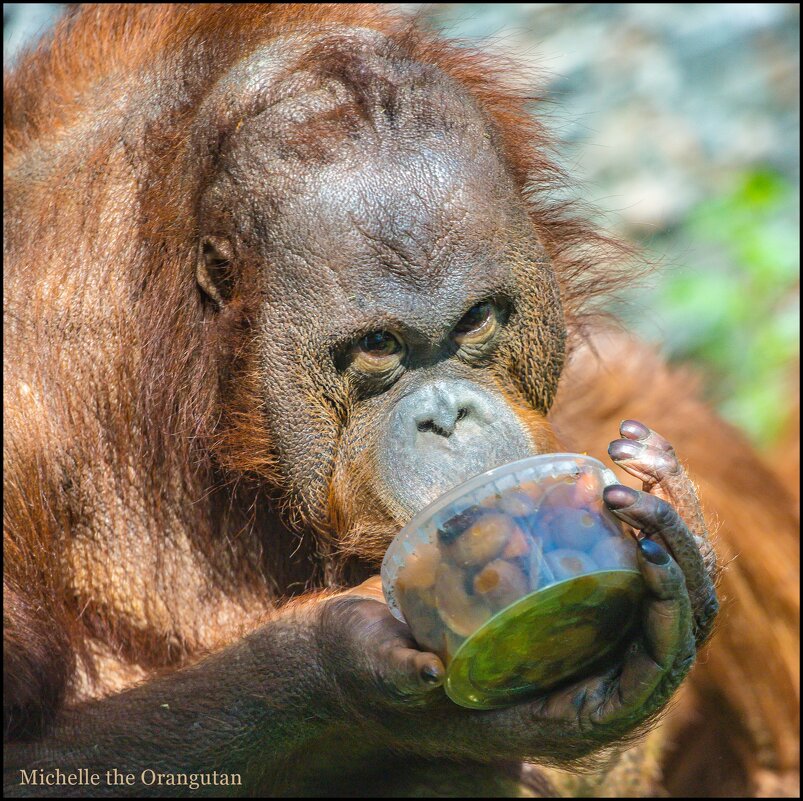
734,310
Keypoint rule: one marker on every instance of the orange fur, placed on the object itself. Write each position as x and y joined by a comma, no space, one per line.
107,411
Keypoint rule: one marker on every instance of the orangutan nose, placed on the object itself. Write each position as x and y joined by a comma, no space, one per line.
443,433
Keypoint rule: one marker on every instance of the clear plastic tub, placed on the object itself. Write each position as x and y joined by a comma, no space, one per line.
519,578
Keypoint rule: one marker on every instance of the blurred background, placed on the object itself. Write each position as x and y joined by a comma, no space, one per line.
681,125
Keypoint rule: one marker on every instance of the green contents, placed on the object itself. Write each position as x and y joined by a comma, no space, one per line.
545,639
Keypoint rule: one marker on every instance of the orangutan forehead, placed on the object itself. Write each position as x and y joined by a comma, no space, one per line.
406,209
365,172
421,233
313,92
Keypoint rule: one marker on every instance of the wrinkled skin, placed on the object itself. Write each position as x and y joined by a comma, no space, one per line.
406,229
401,233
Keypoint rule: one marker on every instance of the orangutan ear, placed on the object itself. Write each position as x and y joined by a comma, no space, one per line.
214,270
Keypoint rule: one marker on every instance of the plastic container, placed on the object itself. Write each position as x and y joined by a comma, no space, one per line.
519,579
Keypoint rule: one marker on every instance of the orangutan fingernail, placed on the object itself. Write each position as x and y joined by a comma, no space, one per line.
431,674
625,449
617,496
632,428
653,552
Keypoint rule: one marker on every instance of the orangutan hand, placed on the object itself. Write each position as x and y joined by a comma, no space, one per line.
678,566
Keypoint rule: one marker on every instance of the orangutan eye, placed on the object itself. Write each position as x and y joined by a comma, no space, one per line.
377,352
477,324
379,344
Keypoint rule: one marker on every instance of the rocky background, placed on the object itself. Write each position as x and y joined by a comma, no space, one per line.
681,126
